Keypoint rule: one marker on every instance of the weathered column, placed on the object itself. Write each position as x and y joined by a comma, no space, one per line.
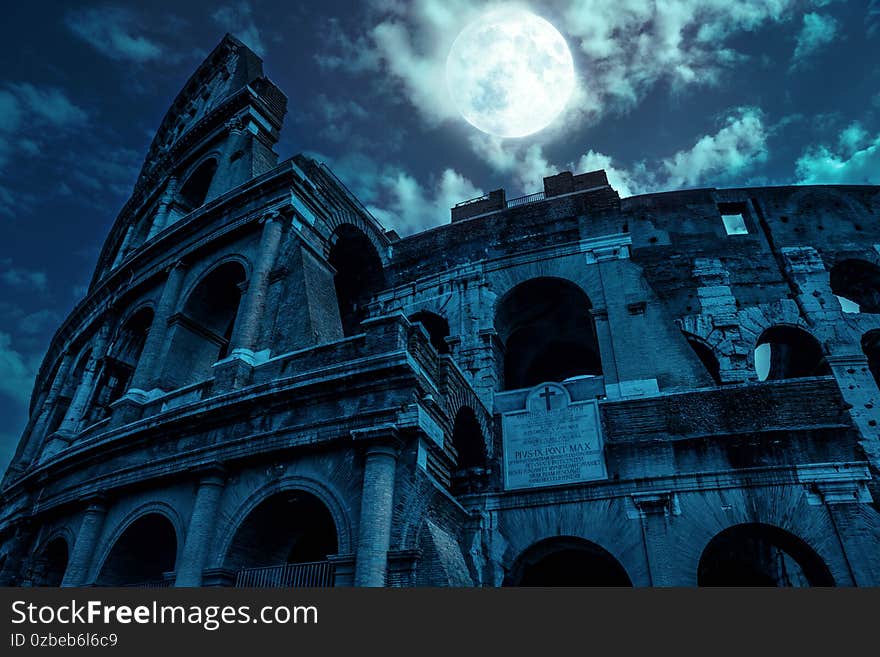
235,370
253,304
201,527
86,541
18,548
145,373
160,221
79,403
377,504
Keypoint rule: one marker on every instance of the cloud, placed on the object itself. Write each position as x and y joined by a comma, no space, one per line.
17,372
738,146
239,20
855,162
344,53
50,104
21,278
623,49
818,30
112,31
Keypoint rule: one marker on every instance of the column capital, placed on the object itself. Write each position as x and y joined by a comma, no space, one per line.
180,264
382,439
96,502
211,474
234,124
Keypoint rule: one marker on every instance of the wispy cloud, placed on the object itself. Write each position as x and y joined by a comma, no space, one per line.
855,161
817,31
239,20
21,277
17,371
115,32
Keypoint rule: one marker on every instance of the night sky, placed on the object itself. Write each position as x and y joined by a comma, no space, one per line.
674,94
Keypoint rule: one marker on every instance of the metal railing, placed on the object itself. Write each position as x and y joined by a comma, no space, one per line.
523,200
316,574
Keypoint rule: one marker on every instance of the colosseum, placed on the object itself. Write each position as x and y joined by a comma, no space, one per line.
265,387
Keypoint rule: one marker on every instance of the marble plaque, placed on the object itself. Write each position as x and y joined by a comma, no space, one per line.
553,441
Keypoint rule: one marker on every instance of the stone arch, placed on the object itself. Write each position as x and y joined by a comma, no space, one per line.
435,325
201,331
706,354
470,445
51,559
329,498
196,183
464,397
857,281
142,548
567,561
546,332
337,220
791,352
359,276
74,378
760,554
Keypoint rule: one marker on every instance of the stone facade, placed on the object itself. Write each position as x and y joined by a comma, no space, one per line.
265,387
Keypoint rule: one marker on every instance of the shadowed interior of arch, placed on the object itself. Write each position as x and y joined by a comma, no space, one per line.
706,355
437,328
756,554
358,278
195,190
567,561
144,555
467,438
50,563
871,349
547,332
858,282
291,527
788,352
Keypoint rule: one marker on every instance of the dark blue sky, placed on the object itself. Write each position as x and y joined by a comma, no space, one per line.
685,94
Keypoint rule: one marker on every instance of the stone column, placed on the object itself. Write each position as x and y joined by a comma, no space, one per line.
201,527
235,370
38,430
16,552
160,221
86,541
377,505
250,312
79,403
145,373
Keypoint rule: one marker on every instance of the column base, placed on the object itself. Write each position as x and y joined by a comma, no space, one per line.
237,369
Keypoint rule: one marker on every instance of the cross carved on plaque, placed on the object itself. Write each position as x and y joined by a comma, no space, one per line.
546,395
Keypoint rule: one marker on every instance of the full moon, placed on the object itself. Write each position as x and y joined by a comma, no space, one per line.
510,73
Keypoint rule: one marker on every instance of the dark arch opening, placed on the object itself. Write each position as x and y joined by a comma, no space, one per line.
120,363
195,190
859,282
201,334
51,564
144,555
755,554
871,349
467,438
437,328
547,332
706,355
567,561
291,527
787,352
359,275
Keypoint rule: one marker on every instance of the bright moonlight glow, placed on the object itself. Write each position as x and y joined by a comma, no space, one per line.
510,73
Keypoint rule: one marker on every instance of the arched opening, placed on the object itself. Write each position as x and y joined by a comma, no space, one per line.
467,438
706,355
195,190
787,352
755,554
858,283
547,333
437,328
359,275
871,349
202,331
51,563
144,556
284,542
120,363
567,561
